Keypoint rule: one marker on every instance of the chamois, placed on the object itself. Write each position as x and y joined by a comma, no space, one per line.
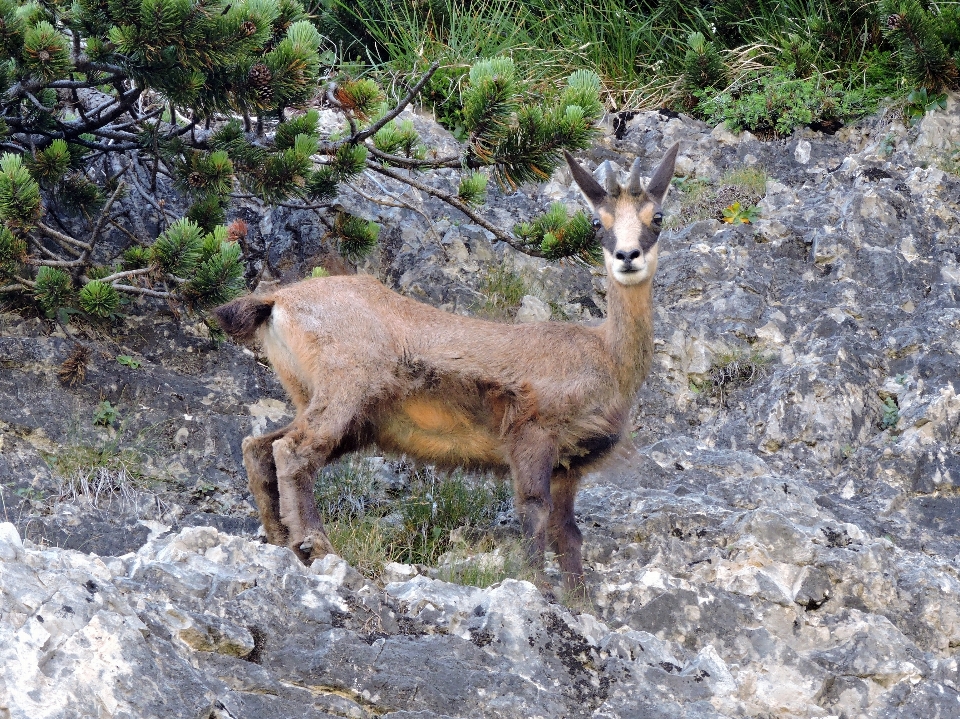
546,401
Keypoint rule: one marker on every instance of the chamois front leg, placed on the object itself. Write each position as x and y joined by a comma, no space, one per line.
532,459
298,455
262,480
564,533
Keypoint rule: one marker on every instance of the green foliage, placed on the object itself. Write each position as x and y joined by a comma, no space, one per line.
218,277
434,514
356,237
105,415
305,124
919,103
736,215
45,52
319,272
53,289
128,361
99,299
433,510
13,251
177,250
399,138
503,291
473,188
49,164
703,69
733,369
207,212
19,194
349,161
927,46
523,141
361,97
206,173
137,257
773,104
891,413
557,235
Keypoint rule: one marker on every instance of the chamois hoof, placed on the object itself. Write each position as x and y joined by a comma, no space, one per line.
316,545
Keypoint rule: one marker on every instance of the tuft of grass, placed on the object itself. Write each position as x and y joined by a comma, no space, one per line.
503,291
703,200
434,514
98,475
731,370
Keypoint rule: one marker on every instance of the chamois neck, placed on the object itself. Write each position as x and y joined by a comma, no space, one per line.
629,331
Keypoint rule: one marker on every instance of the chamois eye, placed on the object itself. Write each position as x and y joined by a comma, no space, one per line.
596,223
658,219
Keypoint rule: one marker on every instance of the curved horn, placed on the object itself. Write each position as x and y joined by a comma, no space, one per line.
606,175
635,183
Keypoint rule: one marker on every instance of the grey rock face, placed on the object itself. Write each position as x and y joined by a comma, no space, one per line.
781,537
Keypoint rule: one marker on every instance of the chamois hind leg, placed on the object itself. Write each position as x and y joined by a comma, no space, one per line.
564,534
532,458
262,480
312,437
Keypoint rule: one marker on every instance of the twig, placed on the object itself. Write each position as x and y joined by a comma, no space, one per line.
60,237
103,217
459,204
414,91
127,273
12,288
144,291
127,232
453,161
397,202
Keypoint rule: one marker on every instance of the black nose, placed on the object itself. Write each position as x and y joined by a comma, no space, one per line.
627,256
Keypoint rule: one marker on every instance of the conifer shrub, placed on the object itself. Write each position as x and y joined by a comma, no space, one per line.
146,121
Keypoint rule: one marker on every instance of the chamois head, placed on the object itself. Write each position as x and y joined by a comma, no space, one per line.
627,217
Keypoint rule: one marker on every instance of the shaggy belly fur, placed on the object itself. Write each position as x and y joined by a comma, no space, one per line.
433,430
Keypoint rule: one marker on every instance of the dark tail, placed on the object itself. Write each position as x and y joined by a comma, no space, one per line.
240,318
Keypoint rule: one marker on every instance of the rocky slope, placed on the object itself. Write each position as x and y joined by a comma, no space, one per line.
781,540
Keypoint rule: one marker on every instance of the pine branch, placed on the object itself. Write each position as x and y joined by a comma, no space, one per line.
61,237
414,91
457,203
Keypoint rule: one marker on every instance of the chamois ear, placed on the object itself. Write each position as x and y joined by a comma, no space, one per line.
660,182
591,189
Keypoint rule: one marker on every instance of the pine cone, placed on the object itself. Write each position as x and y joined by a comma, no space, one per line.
195,179
259,78
895,21
248,28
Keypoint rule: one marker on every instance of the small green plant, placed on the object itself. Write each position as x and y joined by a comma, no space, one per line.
319,272
105,415
919,103
735,214
128,361
891,414
887,145
503,291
